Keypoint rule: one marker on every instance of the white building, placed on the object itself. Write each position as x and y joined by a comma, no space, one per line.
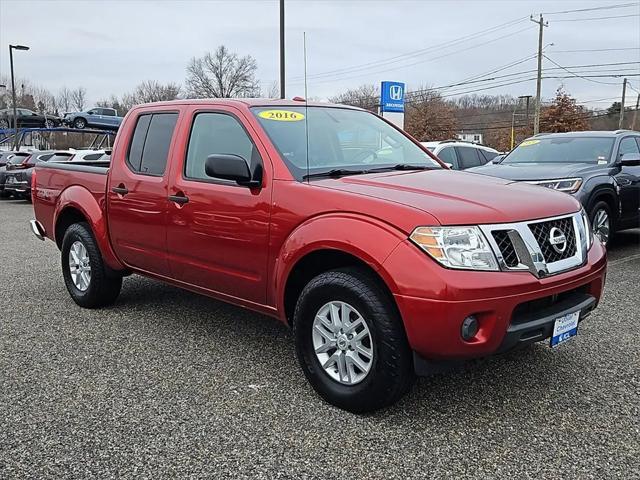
470,137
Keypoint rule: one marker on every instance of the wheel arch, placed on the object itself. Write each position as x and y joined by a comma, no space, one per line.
331,242
77,204
607,194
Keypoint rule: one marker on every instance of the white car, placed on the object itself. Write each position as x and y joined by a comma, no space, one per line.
460,155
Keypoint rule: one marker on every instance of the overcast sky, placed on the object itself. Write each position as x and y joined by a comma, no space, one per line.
110,46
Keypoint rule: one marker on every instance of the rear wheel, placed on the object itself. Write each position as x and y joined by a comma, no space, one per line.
4,123
48,123
602,222
80,123
89,281
351,342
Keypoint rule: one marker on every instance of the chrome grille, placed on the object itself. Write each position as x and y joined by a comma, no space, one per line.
541,232
506,248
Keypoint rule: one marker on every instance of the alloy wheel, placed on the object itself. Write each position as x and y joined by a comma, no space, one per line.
602,225
79,266
342,343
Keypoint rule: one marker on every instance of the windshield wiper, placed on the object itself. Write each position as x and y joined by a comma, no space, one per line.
401,166
336,172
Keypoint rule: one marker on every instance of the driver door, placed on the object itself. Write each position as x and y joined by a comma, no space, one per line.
628,180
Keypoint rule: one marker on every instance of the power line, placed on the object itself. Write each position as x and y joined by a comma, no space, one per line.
595,18
606,7
415,53
576,75
597,50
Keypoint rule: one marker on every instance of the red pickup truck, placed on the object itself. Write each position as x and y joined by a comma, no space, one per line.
384,262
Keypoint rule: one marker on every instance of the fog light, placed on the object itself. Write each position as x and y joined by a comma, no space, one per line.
469,328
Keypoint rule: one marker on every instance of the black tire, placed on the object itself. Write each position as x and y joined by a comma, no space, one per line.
593,213
79,123
48,123
104,285
4,124
391,372
4,194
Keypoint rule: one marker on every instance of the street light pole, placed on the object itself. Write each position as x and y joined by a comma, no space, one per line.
13,92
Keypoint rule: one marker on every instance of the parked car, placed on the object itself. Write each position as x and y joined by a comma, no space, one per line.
96,117
90,155
5,156
600,169
13,160
27,119
18,181
460,155
383,264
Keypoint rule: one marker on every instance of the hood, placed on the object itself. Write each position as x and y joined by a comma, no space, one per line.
537,171
459,198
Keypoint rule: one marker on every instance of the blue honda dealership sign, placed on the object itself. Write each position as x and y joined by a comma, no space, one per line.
392,97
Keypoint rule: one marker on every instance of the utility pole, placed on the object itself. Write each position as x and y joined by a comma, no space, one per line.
282,93
624,92
536,120
635,113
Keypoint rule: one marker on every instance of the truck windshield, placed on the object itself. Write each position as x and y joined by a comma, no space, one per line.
341,140
562,150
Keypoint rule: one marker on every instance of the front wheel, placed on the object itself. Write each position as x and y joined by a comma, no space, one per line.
80,123
48,123
350,341
89,281
602,222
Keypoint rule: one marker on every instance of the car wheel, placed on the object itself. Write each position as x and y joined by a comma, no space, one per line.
350,341
80,123
602,222
48,123
4,124
89,281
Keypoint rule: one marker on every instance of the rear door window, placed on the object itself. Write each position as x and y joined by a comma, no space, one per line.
468,157
486,155
150,143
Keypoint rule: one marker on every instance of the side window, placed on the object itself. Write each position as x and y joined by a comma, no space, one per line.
628,145
468,157
108,112
448,155
156,146
137,142
216,133
149,146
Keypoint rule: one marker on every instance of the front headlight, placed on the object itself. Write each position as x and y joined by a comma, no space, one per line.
567,185
587,228
456,247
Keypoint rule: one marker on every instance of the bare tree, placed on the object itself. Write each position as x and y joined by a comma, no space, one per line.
153,91
78,97
429,117
222,74
364,96
64,100
274,90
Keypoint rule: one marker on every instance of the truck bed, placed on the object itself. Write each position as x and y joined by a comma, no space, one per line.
56,179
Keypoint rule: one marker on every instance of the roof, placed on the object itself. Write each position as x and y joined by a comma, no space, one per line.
457,143
250,102
587,133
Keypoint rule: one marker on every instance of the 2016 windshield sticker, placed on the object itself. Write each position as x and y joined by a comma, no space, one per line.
281,115
529,142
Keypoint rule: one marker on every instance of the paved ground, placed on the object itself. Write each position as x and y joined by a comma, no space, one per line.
170,384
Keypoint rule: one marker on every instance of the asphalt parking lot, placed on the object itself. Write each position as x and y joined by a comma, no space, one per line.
167,383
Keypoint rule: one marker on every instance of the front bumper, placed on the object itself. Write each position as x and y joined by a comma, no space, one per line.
513,308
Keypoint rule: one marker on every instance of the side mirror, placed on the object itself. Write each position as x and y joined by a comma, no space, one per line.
630,159
91,112
230,167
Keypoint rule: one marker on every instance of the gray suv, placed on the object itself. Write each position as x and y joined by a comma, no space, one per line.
97,117
600,169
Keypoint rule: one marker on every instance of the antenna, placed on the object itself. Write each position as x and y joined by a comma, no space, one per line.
306,100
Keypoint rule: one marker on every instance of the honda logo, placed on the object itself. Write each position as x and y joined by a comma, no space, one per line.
395,92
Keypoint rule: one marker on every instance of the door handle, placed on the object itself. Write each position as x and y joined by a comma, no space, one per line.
120,190
179,199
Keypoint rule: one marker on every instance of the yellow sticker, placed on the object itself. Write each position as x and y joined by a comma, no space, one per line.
281,115
526,143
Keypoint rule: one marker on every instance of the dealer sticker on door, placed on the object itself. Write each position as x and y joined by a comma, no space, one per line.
564,328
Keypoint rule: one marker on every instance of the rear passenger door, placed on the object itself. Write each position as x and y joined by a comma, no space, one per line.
217,230
137,192
468,157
